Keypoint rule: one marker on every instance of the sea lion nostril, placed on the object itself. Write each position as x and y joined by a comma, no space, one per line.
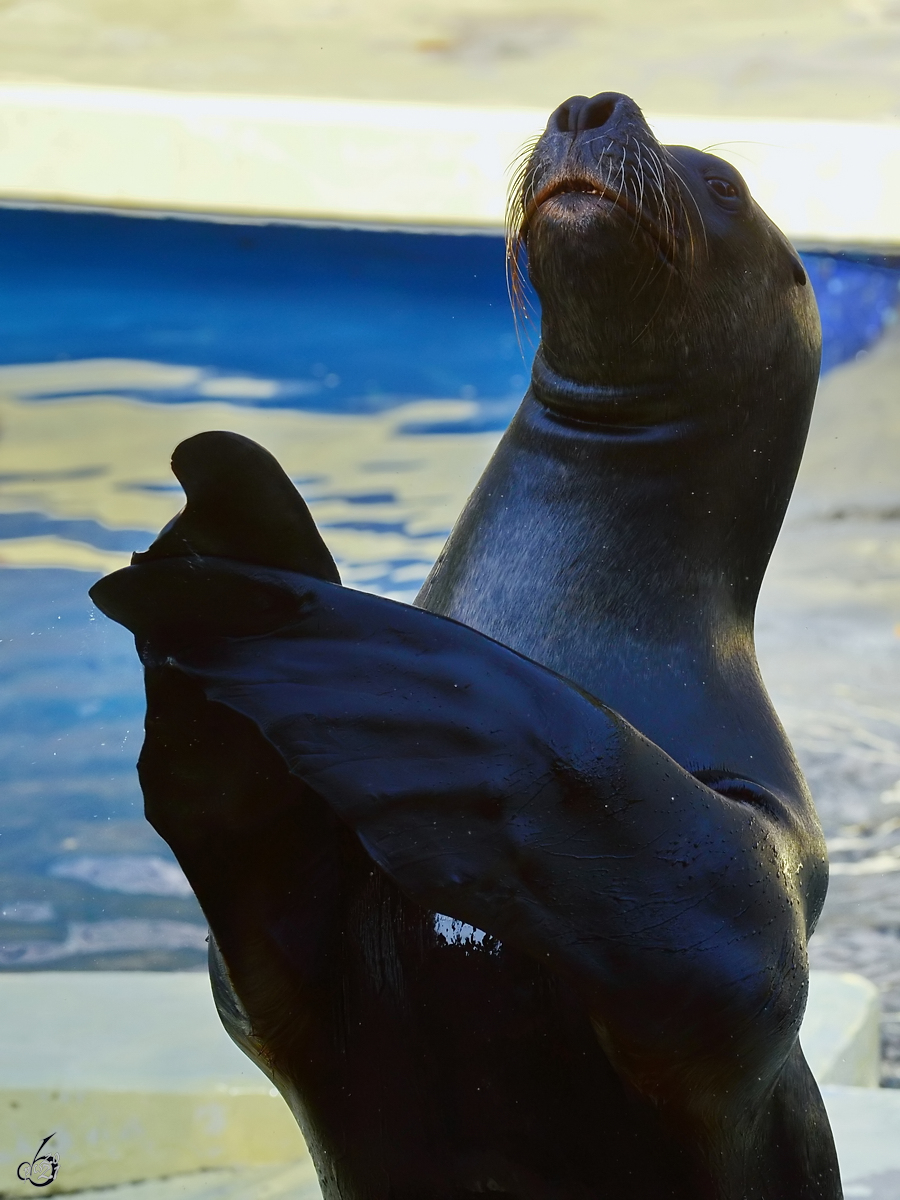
583,112
565,118
598,111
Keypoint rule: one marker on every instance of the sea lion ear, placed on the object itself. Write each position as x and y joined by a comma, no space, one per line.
799,270
242,506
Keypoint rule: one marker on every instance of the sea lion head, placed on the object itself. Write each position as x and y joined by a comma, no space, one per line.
621,531
652,263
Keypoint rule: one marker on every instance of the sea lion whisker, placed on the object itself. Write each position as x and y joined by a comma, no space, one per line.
640,173
622,176
667,240
515,287
599,136
662,194
653,270
521,186
651,275
685,188
633,177
664,235
519,170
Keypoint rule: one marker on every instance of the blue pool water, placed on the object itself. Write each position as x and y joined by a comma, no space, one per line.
380,368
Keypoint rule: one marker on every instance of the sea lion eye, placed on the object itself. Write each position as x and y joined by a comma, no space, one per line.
723,188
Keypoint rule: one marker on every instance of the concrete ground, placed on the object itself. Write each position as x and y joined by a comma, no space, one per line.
829,645
136,1078
832,59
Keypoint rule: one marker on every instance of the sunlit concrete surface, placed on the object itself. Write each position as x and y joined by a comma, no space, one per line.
297,1182
134,1074
828,636
418,164
866,1122
809,59
841,1029
136,1077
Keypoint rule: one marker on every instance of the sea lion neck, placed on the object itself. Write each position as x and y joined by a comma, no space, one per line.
629,560
616,524
613,405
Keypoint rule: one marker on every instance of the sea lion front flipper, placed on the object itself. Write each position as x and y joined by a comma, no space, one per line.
246,833
492,790
240,505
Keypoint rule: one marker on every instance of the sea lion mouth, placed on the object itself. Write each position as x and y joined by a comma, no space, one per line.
563,187
613,197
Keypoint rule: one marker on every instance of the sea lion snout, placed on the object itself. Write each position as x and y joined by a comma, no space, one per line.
589,146
598,211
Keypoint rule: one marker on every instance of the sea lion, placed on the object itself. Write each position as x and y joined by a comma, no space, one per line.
512,895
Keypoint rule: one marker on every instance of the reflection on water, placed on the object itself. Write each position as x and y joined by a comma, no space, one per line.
378,367
90,479
115,353
85,481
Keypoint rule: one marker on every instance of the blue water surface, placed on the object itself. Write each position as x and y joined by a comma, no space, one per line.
354,318
393,357
348,319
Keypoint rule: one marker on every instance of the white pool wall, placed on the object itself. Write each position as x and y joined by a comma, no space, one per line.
423,164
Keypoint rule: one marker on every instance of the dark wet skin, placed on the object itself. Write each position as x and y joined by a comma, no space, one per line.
603,790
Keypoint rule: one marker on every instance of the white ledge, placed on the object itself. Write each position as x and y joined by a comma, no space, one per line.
135,1076
823,182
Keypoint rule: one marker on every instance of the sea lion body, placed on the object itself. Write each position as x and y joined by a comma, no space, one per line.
606,1004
